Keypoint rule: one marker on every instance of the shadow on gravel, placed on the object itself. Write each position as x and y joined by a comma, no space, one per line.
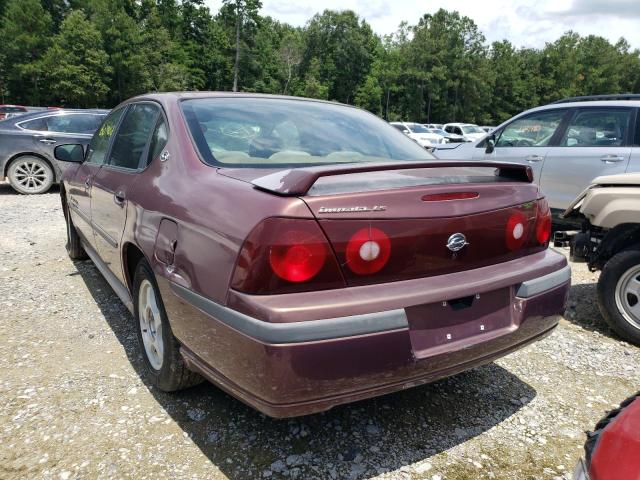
352,441
582,309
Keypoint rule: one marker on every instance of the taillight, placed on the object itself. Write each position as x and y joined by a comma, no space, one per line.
368,251
283,255
543,222
298,255
516,233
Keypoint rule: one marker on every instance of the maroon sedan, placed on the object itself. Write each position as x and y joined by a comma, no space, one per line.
303,254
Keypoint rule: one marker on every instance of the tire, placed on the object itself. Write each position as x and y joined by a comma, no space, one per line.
30,175
74,246
619,294
163,364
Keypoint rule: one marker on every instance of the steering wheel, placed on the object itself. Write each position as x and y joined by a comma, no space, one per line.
237,130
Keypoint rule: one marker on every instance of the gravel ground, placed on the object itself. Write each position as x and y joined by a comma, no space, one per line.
73,405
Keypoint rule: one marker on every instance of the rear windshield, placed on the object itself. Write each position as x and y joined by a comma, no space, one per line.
269,132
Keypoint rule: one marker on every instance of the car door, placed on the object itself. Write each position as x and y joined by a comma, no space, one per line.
80,184
597,141
526,140
114,181
60,128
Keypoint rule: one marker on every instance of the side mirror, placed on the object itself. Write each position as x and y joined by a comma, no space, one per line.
72,152
491,144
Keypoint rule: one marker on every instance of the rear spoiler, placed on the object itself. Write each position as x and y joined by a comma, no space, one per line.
298,181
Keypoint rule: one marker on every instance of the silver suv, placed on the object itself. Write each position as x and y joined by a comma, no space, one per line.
567,143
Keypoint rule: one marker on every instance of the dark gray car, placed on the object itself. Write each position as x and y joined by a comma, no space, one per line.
27,143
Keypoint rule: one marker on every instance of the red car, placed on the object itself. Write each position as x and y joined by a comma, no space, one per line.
302,254
11,109
613,448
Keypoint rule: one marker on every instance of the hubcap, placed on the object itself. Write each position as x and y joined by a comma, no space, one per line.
150,324
30,175
628,296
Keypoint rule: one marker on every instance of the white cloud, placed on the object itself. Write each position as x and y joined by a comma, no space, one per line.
526,23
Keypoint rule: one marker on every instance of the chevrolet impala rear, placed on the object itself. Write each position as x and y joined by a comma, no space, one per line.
305,254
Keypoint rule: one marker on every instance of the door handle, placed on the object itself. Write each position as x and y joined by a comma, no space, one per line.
534,158
119,198
44,139
87,183
612,158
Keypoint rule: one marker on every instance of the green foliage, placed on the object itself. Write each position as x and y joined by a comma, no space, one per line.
25,33
343,46
100,52
76,66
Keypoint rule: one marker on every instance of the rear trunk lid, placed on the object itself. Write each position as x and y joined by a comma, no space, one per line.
401,221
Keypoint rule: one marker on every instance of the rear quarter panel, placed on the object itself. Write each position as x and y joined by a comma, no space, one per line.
214,215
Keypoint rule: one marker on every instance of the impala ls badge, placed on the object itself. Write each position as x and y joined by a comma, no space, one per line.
457,242
375,208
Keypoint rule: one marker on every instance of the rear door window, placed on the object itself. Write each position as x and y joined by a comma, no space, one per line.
597,128
83,123
99,145
535,130
132,140
75,123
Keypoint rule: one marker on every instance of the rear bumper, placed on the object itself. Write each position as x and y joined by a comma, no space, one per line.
305,355
340,327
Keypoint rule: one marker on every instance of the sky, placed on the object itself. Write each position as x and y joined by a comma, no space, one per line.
526,23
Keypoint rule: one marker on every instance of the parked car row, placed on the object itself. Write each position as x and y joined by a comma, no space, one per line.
27,142
431,135
567,144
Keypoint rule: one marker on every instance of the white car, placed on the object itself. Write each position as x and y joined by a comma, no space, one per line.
469,131
419,134
567,143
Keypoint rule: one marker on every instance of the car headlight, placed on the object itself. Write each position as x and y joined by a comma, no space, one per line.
581,472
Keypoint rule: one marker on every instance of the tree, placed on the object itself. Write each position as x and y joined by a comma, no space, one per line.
164,59
344,47
24,37
76,65
290,54
245,11
123,43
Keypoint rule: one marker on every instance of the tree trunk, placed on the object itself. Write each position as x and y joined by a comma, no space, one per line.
286,85
386,113
236,66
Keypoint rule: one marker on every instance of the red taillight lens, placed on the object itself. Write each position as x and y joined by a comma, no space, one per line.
543,222
368,251
516,233
298,255
283,255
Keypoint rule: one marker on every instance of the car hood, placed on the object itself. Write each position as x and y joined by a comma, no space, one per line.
622,179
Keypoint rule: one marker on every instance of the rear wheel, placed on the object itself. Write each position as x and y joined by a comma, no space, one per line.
619,294
74,246
161,352
30,175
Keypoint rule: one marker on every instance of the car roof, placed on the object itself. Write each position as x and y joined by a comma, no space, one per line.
591,103
177,96
14,121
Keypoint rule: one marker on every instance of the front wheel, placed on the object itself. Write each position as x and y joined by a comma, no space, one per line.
161,352
30,175
619,294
